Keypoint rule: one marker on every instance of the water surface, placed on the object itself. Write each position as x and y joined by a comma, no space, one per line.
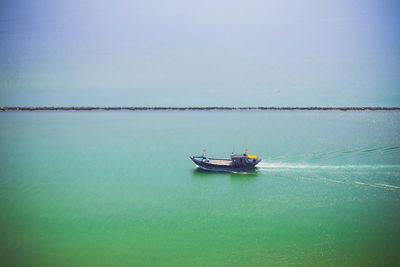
118,188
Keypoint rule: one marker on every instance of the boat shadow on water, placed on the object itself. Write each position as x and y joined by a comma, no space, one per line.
249,174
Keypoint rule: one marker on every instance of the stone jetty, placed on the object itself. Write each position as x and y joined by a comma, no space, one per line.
193,108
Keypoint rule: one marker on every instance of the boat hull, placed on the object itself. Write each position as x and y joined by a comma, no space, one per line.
223,168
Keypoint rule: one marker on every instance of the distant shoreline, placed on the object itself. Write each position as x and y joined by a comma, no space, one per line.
194,108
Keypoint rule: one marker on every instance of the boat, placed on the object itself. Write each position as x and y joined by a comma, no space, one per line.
236,163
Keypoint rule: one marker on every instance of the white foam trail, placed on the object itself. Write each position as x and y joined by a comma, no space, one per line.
357,182
265,165
388,185
281,166
382,186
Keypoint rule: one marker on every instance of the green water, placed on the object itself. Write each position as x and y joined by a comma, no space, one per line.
118,188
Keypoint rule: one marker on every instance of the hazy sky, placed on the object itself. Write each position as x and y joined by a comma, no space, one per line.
201,53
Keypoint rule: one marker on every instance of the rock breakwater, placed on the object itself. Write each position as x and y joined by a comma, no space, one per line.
193,108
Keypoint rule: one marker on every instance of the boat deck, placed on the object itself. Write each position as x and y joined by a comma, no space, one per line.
220,162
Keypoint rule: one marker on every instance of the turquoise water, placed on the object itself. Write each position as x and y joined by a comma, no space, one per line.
118,188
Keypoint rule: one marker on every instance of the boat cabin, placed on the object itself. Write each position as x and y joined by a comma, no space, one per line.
240,160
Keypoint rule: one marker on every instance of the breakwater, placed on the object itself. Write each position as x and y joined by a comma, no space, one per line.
194,108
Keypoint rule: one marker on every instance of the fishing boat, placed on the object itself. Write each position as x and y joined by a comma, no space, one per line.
237,163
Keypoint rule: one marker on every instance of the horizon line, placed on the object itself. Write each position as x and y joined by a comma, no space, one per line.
133,108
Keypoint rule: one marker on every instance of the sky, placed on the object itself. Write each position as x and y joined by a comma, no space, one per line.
199,53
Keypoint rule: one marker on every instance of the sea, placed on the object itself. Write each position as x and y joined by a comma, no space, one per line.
117,188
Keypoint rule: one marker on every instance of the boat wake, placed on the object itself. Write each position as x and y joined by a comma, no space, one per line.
352,175
348,153
278,166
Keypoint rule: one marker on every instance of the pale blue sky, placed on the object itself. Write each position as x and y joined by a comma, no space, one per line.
199,53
